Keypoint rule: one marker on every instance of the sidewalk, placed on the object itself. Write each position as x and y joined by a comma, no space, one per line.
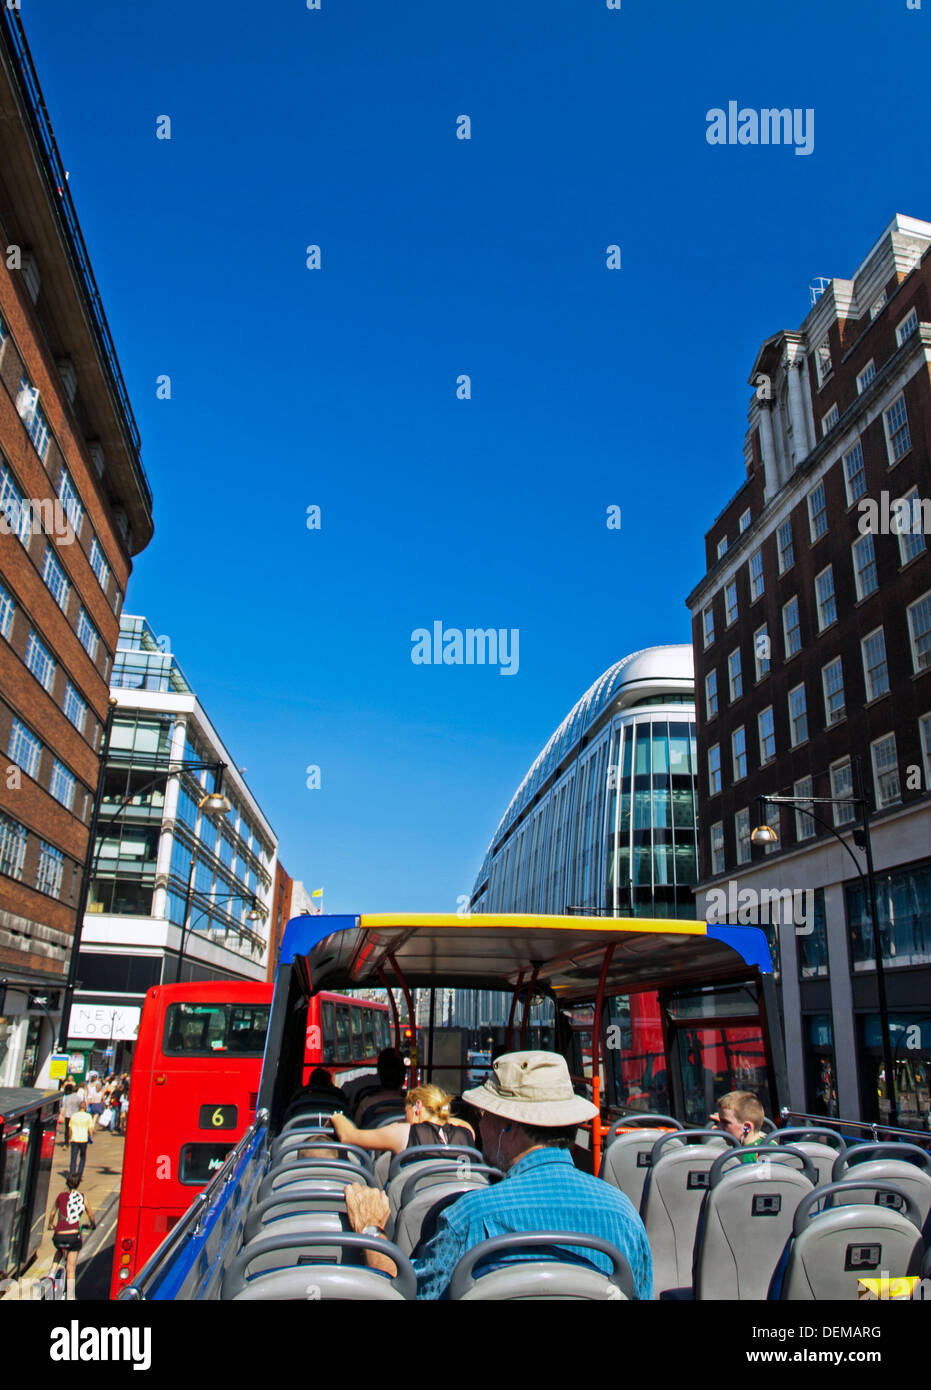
100,1185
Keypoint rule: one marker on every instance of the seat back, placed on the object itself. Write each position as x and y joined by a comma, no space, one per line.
747,1218
381,1113
538,1281
313,1112
905,1165
678,1177
833,1249
335,1173
626,1162
822,1145
289,1146
429,1185
286,1266
319,1207
402,1165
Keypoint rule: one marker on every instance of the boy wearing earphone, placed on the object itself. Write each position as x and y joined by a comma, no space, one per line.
741,1114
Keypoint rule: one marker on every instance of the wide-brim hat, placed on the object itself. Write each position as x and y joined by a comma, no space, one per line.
533,1088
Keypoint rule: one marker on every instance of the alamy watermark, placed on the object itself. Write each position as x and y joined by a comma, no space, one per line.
45,515
900,516
768,126
752,907
476,646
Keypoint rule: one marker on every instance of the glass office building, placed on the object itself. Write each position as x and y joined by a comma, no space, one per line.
605,820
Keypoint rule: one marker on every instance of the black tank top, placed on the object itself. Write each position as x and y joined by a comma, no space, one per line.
456,1136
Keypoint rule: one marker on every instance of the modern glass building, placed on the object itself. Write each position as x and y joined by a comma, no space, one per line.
605,820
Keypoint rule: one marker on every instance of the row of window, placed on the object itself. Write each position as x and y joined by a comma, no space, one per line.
911,541
886,788
25,749
824,366
41,663
50,864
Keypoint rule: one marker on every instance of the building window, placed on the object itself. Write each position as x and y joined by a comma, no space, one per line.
877,306
117,599
767,733
911,529
87,635
50,869
54,577
33,417
875,669
761,652
864,566
885,771
62,784
734,676
798,716
756,575
39,661
924,729
832,679
854,474
742,836
7,609
791,628
711,694
730,603
74,707
817,513
784,546
898,439
99,565
739,753
824,598
823,366
717,847
70,500
722,547
714,769
804,825
842,790
18,516
12,846
866,376
907,327
919,631
707,619
24,749
744,523
830,420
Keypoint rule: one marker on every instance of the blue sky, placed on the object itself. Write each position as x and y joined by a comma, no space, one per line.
337,387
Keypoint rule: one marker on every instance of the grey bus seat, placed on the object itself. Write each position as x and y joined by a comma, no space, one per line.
284,1267
626,1162
676,1183
427,1186
905,1165
637,1119
822,1145
404,1163
321,1208
542,1280
746,1219
381,1113
289,1146
316,1113
834,1248
320,1172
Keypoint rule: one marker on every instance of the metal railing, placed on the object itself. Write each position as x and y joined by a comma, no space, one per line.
875,1130
14,36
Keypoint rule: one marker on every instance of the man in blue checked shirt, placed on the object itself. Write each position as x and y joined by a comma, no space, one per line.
530,1115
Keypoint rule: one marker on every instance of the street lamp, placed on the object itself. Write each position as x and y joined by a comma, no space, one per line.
766,835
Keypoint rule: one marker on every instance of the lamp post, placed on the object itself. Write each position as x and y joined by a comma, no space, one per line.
764,834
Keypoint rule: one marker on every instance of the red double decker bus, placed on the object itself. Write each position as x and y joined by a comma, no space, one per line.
193,1093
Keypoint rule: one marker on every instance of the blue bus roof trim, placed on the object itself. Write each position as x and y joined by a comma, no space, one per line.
749,942
301,934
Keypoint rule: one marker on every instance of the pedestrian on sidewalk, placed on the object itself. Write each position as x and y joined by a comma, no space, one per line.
82,1124
69,1104
68,1212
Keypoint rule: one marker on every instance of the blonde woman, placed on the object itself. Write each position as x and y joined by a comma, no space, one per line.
426,1121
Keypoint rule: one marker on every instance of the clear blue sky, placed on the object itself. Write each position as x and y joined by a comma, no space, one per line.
337,387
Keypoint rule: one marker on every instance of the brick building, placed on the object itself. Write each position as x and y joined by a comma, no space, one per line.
812,641
75,507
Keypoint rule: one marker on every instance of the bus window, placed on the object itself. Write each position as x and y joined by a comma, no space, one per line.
358,1047
634,1049
343,1053
197,1163
714,1059
368,1025
326,1028
203,1030
382,1030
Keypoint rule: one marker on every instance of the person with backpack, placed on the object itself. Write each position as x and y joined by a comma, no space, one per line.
69,1211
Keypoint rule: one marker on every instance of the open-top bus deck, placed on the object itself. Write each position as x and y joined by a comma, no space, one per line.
651,1015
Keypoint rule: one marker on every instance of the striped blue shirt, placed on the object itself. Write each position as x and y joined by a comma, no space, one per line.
543,1191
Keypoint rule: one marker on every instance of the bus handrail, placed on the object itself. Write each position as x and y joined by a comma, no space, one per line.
190,1223
874,1128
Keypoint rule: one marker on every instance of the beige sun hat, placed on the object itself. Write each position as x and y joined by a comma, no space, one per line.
532,1088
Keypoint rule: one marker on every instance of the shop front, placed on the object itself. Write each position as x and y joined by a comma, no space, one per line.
102,1036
